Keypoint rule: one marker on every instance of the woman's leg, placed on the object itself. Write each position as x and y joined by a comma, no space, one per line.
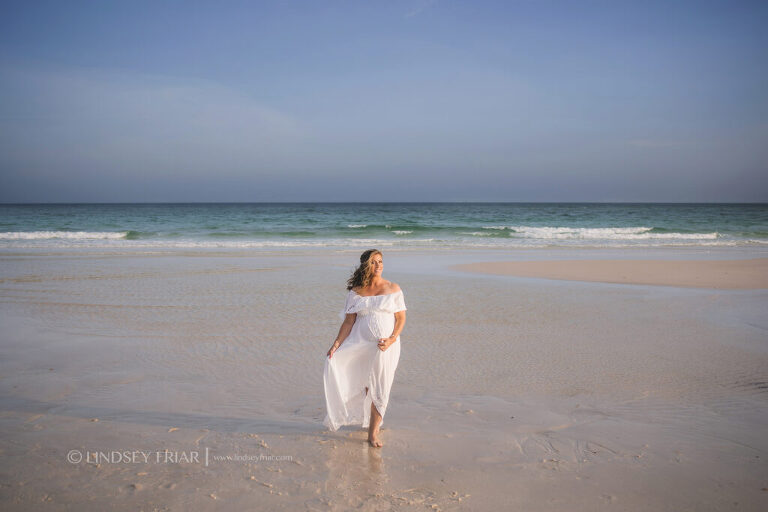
373,427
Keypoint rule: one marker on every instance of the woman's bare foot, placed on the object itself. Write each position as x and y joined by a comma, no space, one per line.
373,439
373,426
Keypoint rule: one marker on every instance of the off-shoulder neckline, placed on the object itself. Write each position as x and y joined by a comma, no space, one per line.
382,295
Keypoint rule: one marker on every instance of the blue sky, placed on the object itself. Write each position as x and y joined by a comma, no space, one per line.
383,101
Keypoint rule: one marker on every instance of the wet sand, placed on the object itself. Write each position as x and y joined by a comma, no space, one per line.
745,274
510,393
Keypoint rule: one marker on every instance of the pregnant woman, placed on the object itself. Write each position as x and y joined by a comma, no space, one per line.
361,362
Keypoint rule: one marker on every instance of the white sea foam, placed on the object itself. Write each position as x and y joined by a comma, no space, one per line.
196,244
70,235
357,225
521,237
613,233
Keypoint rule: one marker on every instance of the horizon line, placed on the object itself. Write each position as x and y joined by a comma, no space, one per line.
63,203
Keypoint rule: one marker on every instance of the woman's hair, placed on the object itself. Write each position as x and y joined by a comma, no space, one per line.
362,275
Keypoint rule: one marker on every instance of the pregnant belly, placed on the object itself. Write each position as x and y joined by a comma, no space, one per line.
376,325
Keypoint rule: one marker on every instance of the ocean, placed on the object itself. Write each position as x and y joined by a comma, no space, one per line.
381,225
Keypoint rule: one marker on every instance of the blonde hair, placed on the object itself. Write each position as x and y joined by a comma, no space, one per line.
362,275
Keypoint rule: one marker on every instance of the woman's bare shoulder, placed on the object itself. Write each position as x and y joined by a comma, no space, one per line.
390,288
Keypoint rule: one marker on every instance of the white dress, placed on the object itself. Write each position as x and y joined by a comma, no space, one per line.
359,362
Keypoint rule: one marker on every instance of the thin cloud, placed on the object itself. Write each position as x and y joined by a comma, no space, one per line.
654,143
124,121
420,7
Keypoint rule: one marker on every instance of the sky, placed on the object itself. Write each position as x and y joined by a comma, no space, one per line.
418,100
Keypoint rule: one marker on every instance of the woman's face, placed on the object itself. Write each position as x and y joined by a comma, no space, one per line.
377,264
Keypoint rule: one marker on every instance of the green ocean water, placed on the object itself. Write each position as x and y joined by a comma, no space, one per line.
423,225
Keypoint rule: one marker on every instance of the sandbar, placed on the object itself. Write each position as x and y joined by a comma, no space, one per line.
746,274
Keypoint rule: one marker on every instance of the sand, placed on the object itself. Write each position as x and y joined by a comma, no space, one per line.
510,393
746,274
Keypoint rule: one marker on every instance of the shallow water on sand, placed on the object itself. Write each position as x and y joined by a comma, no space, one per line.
505,372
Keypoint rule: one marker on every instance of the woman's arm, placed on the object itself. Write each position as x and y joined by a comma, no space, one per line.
385,343
399,324
344,330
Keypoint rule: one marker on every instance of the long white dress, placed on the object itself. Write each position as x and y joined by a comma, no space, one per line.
359,362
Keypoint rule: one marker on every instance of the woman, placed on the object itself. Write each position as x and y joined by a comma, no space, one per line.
362,360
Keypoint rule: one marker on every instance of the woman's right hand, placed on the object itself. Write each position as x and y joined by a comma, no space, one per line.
332,350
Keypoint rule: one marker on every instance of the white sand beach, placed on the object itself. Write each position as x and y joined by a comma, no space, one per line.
512,392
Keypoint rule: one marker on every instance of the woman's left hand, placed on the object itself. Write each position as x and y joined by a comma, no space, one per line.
384,343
